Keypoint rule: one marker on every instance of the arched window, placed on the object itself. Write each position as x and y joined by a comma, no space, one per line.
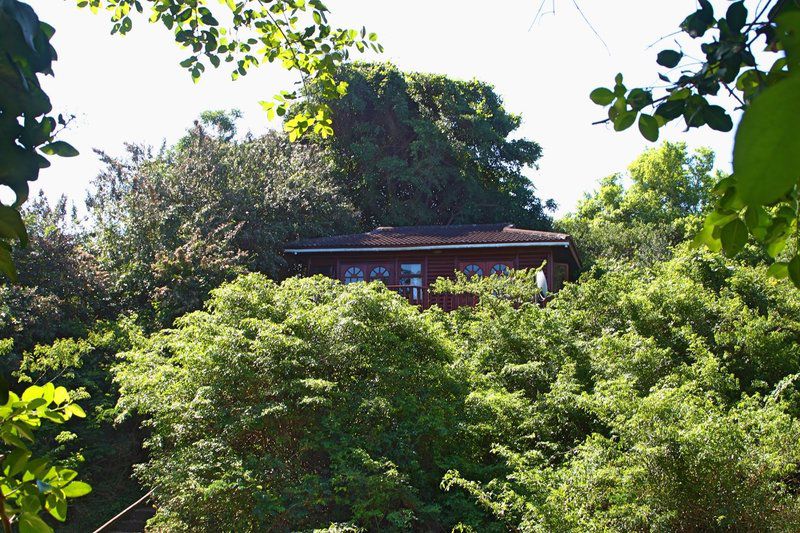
379,274
500,269
353,274
473,270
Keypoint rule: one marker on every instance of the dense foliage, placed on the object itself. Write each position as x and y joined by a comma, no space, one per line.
658,399
295,406
295,33
413,148
172,225
669,191
61,290
760,199
644,398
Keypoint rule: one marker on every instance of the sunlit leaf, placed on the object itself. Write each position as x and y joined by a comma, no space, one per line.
766,156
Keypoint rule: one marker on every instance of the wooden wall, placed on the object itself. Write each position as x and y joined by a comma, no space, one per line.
435,263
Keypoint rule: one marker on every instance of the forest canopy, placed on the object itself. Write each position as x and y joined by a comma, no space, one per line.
414,148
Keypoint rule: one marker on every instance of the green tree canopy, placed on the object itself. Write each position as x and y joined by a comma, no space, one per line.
293,407
172,225
760,198
659,398
669,190
61,289
413,148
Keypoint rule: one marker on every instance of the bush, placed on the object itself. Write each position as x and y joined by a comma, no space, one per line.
297,406
659,398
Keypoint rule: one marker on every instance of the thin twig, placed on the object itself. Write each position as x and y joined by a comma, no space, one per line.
662,38
575,3
730,91
536,17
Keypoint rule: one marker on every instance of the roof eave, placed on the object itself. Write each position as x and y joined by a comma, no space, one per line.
564,244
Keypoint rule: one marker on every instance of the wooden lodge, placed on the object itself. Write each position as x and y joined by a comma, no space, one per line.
409,259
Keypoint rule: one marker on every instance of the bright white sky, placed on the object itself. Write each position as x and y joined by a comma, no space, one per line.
131,89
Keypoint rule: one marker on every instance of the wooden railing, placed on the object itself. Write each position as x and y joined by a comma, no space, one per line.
423,297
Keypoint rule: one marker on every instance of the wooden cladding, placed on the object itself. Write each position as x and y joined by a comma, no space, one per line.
394,268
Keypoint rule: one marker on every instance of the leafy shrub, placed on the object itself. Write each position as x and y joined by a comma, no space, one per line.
659,398
298,406
656,399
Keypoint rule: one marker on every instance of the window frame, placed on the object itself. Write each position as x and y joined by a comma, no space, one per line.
348,268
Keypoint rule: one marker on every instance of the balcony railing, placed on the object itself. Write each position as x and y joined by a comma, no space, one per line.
423,297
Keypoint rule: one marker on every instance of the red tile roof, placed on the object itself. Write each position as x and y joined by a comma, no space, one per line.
410,236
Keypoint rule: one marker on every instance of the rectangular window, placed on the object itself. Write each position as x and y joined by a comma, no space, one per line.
411,275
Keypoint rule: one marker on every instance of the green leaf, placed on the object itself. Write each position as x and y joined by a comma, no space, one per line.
61,395
716,117
30,523
15,462
671,109
766,154
736,16
757,221
76,410
669,58
48,391
624,120
794,270
11,225
76,489
706,237
648,126
13,440
7,264
602,96
59,148
32,392
30,504
56,506
733,237
778,270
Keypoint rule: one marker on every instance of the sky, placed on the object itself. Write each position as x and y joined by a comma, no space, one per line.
131,89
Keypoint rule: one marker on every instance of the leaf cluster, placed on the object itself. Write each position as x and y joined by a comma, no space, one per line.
27,130
32,485
759,200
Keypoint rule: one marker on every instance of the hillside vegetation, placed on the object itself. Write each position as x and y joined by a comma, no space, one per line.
658,393
662,398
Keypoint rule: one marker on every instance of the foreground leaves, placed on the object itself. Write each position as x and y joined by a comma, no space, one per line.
30,485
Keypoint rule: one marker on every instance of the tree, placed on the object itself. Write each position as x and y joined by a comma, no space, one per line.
61,289
415,148
103,448
669,192
300,406
295,33
658,398
761,197
171,226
